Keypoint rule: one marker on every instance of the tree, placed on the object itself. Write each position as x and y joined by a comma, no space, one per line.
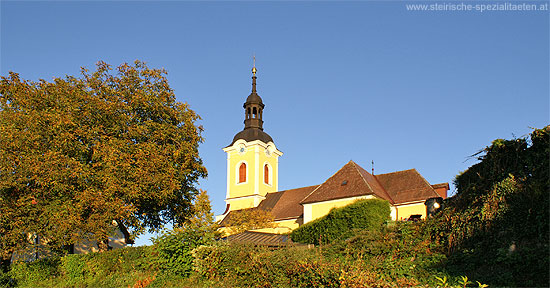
249,219
174,247
78,153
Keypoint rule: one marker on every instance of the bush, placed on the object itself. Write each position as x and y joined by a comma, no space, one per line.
110,268
496,227
27,273
399,256
130,266
241,265
402,254
73,268
340,223
174,248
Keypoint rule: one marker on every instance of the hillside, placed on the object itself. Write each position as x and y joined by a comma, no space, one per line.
493,231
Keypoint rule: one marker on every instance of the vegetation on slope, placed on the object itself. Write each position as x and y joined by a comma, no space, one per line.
343,222
496,227
495,231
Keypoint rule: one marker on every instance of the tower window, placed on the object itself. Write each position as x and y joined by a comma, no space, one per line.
254,113
242,173
266,174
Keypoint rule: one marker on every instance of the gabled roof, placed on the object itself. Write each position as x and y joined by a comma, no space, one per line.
406,186
286,204
282,205
350,181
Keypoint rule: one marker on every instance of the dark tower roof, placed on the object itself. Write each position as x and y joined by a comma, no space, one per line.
253,111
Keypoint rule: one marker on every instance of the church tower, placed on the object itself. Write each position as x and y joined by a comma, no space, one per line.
252,158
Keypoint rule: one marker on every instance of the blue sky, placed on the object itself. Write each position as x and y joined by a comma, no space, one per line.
361,81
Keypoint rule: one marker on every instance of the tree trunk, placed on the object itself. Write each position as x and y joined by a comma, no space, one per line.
122,228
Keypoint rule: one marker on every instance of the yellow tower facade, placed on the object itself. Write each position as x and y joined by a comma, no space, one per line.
252,158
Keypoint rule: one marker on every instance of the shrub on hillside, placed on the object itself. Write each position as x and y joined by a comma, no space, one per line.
400,256
115,268
106,268
242,265
341,222
27,273
402,253
496,227
174,247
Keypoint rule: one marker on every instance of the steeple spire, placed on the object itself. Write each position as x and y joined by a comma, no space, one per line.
253,107
253,115
254,74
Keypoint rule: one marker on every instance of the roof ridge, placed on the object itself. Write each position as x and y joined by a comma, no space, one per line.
301,201
398,172
299,188
429,185
281,191
367,182
364,180
406,190
383,188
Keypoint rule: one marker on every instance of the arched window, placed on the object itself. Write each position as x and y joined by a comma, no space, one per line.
266,174
242,173
254,113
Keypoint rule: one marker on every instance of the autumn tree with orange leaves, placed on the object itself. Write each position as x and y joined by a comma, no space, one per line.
81,152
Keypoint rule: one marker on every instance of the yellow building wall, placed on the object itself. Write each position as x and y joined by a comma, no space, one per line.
271,160
283,226
317,210
405,211
243,203
255,157
235,160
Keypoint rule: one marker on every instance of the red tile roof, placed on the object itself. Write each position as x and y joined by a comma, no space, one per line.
282,205
397,187
406,186
349,181
286,204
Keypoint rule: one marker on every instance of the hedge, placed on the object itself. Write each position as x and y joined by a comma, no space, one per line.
341,222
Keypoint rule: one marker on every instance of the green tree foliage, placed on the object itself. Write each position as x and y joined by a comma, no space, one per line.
367,214
80,152
496,228
174,247
248,219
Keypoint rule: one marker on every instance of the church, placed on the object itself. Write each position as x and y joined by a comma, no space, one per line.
252,181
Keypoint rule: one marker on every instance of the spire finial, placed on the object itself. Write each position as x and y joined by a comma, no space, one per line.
372,167
254,65
254,74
